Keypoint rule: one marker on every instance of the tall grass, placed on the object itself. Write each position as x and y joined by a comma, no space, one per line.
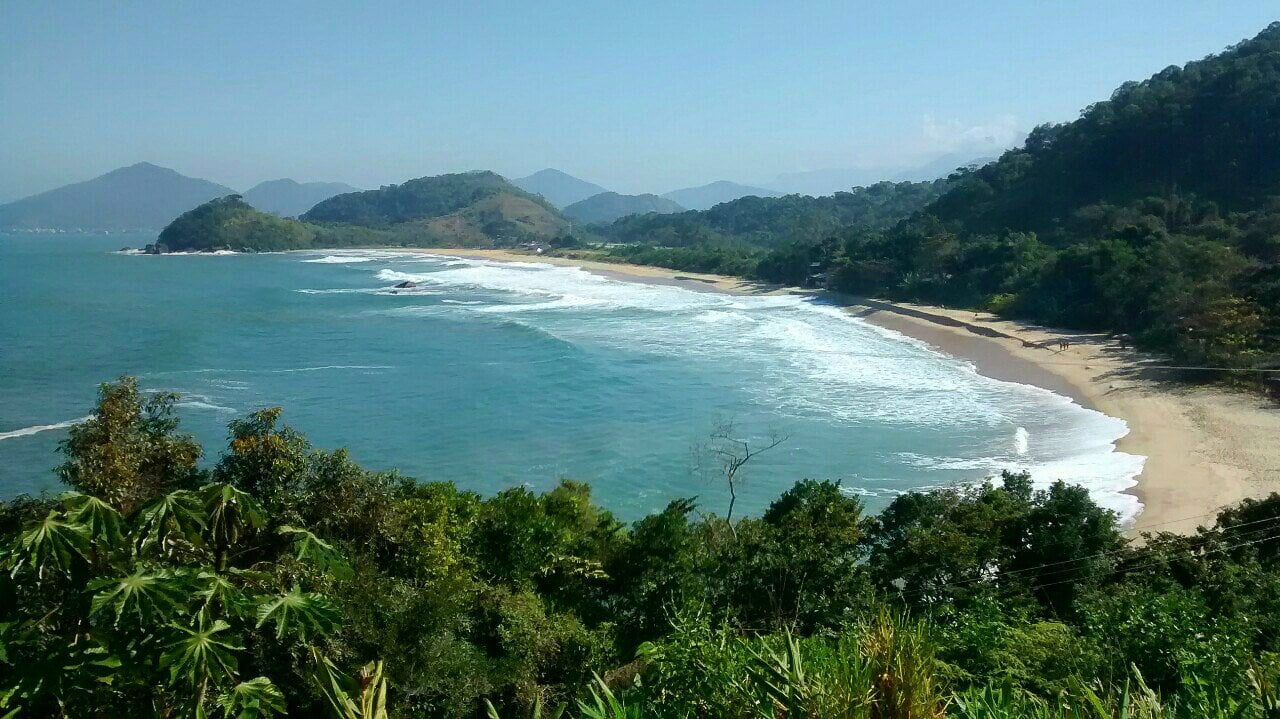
887,668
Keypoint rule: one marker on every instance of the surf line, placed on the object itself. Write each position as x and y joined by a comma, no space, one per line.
36,429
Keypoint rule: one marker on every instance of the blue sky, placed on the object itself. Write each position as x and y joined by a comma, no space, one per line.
636,96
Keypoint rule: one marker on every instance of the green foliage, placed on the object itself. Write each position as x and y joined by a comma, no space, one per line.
234,592
128,449
254,699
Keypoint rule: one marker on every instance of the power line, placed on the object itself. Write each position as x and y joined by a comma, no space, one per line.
1097,555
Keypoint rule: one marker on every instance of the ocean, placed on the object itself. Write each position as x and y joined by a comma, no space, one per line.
493,375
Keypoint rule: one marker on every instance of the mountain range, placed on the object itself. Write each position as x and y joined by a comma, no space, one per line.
147,197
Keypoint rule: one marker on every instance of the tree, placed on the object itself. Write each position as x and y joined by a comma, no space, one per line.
732,455
127,453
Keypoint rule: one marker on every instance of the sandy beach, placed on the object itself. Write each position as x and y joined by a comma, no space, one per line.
1206,447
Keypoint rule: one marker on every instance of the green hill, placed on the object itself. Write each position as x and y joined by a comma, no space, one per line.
465,208
1208,129
232,224
609,206
1155,214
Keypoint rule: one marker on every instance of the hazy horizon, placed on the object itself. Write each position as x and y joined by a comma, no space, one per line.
634,99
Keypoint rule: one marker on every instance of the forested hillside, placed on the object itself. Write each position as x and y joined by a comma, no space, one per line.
229,223
1156,214
772,221
259,584
420,199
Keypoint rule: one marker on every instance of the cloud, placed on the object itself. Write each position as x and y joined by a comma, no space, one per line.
952,136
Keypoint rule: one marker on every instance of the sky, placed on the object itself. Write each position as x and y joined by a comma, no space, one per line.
636,96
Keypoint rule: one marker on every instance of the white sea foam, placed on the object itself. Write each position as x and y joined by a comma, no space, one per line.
38,428
206,405
1021,441
222,370
339,260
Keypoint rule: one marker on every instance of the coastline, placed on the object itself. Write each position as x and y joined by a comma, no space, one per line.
1206,446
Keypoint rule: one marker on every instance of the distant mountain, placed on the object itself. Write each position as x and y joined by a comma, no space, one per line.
609,206
289,198
558,188
709,195
141,196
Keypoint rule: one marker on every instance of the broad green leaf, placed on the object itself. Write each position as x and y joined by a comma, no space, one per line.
150,596
101,521
252,699
51,544
314,550
303,614
177,515
233,514
201,653
217,591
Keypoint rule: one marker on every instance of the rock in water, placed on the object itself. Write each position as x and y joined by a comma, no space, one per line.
406,285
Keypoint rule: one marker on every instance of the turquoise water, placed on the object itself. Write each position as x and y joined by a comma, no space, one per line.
493,375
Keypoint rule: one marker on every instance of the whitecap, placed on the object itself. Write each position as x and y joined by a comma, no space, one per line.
36,429
198,404
339,260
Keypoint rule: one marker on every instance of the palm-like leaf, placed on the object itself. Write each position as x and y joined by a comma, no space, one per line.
253,699
361,697
301,613
101,521
50,544
174,518
149,596
201,655
313,550
218,592
233,515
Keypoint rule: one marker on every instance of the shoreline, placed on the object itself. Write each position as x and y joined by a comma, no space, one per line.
1206,446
